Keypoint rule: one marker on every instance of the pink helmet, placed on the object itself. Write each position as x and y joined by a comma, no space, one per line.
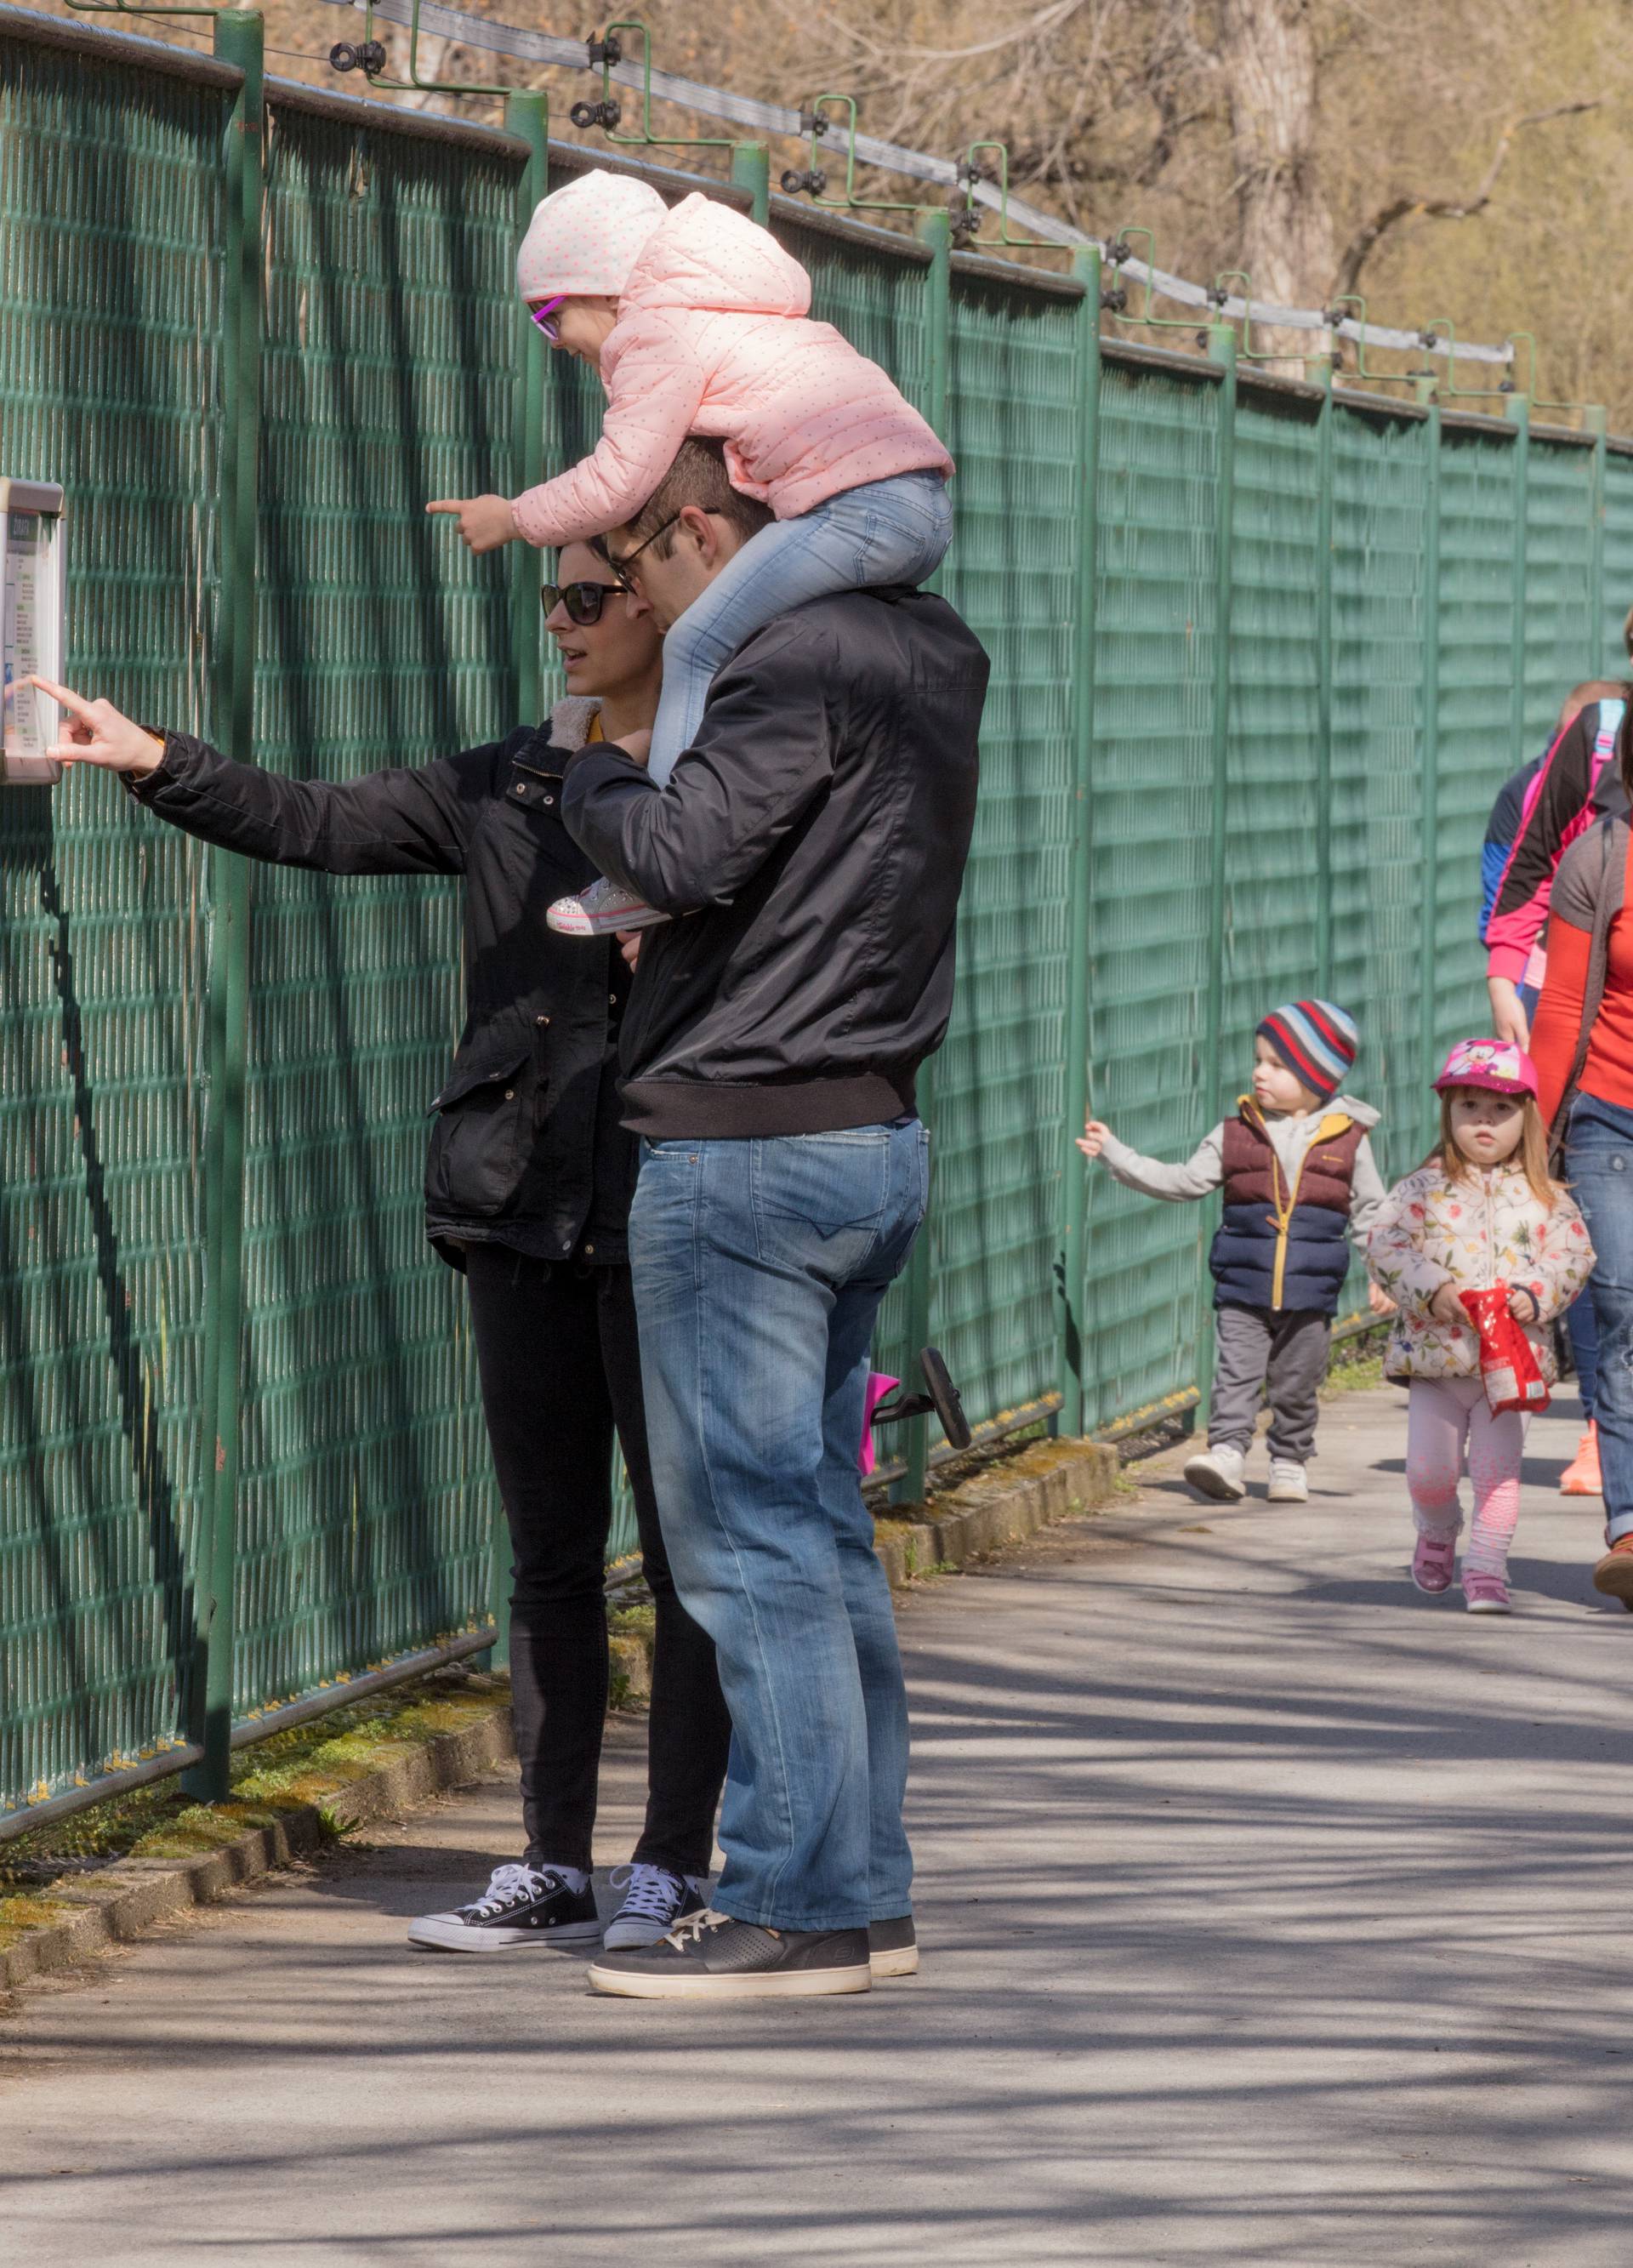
1497,1064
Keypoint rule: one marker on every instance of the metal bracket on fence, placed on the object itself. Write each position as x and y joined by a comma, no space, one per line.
368,55
1114,297
966,214
1217,296
1587,409
604,54
814,120
1428,339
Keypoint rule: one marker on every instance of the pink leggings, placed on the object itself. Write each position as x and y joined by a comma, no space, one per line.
1442,1415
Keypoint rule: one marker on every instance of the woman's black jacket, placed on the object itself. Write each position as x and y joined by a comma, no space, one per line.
527,1150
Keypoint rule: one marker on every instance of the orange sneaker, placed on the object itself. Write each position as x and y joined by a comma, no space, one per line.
1582,1476
1614,1575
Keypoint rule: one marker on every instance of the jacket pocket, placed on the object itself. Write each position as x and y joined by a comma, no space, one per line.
481,1142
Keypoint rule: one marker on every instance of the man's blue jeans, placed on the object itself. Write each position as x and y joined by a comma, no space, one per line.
759,1269
1599,1166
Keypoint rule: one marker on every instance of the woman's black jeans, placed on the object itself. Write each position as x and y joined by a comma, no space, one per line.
560,1364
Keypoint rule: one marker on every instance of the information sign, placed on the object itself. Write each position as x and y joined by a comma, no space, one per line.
31,627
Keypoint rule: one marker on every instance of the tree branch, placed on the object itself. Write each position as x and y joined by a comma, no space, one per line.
1366,239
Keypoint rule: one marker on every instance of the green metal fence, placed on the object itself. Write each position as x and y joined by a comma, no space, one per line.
1262,653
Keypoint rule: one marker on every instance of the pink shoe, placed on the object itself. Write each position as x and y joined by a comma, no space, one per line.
1431,1565
1486,1594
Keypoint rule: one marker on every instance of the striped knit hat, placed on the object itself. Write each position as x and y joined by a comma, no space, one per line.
1315,1041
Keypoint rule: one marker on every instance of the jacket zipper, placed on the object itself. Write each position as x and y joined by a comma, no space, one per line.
1284,1221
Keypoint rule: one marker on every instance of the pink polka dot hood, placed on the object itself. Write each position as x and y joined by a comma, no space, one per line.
713,337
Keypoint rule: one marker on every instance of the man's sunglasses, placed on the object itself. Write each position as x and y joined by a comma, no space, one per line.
625,561
583,602
547,315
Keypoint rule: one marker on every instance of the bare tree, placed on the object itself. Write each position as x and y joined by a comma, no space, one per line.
1376,226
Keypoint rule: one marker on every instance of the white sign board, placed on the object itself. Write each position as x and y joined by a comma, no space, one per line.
31,626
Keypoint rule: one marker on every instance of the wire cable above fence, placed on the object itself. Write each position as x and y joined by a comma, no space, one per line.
778,118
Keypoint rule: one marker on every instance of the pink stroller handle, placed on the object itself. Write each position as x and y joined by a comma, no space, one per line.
878,1385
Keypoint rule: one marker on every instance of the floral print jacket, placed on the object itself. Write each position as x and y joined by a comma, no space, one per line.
1486,1229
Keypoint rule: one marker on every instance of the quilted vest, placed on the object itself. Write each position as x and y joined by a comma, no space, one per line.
1281,1246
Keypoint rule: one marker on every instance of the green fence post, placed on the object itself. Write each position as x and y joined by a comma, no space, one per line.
1429,759
1071,1289
1519,408
1222,351
1595,421
238,40
935,228
527,116
751,170
1324,446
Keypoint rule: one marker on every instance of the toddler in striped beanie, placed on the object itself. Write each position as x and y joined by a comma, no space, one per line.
1298,1176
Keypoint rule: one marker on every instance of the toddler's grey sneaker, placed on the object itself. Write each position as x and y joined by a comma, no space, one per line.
1219,1473
521,1905
1288,1483
654,1901
601,910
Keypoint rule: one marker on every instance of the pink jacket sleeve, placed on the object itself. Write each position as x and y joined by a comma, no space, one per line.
654,387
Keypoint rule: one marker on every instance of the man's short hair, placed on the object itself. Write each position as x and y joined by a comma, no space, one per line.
698,476
1593,688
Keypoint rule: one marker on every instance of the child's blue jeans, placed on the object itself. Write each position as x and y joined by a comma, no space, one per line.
894,531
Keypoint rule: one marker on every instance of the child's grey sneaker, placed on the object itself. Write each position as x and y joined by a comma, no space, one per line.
1288,1483
521,1906
1219,1473
602,910
654,1901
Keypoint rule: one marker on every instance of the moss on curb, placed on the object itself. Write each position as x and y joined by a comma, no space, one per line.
284,1774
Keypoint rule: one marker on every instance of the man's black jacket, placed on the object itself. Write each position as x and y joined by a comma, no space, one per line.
813,840
527,1150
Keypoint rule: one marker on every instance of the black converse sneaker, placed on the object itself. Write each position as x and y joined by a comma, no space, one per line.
521,1905
892,1947
654,1901
710,1956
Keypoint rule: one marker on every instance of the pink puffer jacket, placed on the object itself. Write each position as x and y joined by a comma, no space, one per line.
712,337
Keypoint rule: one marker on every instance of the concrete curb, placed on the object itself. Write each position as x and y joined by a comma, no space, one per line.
112,1907
1015,1500
1025,1493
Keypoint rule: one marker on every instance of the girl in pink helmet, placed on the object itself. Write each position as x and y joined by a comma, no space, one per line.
697,322
1481,1211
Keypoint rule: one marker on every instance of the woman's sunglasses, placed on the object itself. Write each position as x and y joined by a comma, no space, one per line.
583,602
547,315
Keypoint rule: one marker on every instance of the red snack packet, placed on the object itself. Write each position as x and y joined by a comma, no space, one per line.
1508,1363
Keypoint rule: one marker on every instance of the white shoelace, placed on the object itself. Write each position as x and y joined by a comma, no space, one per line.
514,1885
651,1893
695,1924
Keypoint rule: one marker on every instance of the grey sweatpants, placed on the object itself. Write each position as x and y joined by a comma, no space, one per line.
1287,1344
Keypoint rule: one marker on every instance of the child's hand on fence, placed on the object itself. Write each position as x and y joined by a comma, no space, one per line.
1093,1138
94,732
1446,1307
1380,1301
485,521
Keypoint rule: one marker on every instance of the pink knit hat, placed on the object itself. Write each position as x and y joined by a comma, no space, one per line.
584,239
